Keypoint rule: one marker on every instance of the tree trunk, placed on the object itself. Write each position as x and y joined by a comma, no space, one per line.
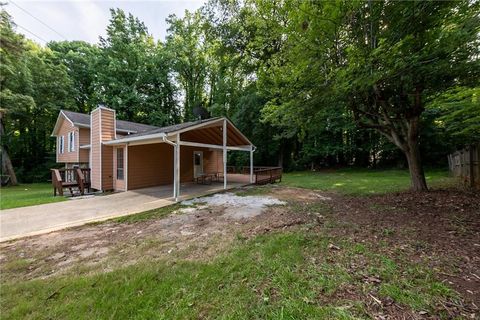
7,167
417,176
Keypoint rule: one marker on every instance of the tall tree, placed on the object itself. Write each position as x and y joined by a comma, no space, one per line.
400,53
186,45
80,59
134,73
33,89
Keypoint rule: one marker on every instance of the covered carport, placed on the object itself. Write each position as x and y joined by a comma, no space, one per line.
178,154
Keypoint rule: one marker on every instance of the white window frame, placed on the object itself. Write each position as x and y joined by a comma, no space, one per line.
71,141
122,151
61,144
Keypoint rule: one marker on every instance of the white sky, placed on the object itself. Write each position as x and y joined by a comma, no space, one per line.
87,20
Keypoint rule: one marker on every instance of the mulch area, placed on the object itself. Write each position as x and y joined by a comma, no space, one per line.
441,227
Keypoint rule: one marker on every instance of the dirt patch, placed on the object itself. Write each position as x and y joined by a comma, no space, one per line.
198,232
440,228
237,207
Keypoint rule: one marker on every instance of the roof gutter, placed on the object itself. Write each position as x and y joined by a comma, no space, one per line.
140,138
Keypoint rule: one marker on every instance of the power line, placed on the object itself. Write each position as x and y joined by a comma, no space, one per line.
31,15
37,36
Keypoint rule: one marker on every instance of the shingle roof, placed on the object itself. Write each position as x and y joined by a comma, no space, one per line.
84,119
172,128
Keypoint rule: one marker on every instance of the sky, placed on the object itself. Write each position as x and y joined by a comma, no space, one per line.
86,20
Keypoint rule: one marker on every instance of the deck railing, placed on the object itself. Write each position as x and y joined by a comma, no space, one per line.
268,175
263,175
70,175
69,178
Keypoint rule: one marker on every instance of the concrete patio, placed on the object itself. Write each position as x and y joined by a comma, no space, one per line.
28,221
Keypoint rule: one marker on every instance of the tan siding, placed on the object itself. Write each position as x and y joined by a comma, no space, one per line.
67,157
107,168
150,165
84,139
95,149
108,124
108,133
102,156
212,162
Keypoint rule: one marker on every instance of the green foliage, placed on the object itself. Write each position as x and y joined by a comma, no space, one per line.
459,114
33,89
80,59
134,77
297,77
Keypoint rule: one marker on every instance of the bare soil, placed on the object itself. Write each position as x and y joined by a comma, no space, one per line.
196,233
440,228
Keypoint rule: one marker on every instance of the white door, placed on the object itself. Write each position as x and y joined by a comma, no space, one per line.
197,163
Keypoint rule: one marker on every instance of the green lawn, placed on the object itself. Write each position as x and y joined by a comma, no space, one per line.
292,275
280,275
362,181
27,195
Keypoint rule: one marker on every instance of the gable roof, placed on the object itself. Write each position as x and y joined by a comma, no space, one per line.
83,120
138,131
173,128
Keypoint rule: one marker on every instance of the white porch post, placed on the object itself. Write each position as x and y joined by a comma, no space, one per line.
251,164
224,153
175,171
126,167
178,168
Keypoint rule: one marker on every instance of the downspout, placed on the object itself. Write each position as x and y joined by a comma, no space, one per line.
175,182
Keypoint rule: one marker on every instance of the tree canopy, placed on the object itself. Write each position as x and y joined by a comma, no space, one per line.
312,83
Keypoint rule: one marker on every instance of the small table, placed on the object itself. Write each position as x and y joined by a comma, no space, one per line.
207,178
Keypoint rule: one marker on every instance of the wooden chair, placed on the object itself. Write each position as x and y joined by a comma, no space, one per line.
59,184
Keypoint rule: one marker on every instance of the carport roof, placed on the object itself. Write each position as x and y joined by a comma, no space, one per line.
174,128
163,132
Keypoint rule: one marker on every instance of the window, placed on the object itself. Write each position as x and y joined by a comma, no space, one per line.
61,144
197,159
120,164
71,141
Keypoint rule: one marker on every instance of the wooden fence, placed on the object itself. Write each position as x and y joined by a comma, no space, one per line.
465,165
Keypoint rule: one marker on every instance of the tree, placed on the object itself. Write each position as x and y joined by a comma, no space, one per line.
399,53
80,59
186,45
134,73
33,89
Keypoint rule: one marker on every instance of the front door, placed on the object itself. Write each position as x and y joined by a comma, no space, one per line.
197,163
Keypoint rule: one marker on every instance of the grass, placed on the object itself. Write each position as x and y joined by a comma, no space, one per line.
292,275
361,181
27,195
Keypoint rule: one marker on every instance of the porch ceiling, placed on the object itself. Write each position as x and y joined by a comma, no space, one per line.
214,135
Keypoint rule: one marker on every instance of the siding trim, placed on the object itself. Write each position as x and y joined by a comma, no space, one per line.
78,148
101,148
126,167
90,152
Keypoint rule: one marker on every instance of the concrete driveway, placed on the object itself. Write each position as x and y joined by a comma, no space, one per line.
27,221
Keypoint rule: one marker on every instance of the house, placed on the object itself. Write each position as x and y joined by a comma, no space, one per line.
124,155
